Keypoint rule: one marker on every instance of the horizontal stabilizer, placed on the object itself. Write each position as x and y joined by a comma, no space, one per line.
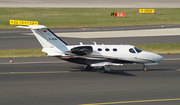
26,27
33,27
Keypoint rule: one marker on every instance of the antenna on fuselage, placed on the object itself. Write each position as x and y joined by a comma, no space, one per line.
94,42
81,43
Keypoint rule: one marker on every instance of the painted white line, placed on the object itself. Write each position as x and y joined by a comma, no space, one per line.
33,62
172,59
129,33
23,1
37,72
136,101
27,33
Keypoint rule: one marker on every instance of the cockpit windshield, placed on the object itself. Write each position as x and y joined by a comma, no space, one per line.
131,50
137,50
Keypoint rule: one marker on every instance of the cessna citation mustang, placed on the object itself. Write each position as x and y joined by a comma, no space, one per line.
97,56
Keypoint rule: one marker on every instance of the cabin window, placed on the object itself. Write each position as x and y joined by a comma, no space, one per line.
137,50
99,49
114,49
132,50
107,49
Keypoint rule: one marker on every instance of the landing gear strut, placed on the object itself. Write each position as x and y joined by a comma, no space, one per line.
145,68
88,67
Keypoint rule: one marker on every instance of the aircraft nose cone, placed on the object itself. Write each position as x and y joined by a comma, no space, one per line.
158,58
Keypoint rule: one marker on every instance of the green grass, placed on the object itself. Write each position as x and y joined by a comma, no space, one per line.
88,17
161,48
19,53
155,48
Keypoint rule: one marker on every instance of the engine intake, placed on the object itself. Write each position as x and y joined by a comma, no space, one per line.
82,50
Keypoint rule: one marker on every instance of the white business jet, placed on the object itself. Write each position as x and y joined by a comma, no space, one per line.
97,56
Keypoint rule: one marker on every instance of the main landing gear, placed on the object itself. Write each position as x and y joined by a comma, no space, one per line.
88,67
102,70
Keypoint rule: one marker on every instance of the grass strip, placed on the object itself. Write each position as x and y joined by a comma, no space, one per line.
155,48
87,17
20,53
161,48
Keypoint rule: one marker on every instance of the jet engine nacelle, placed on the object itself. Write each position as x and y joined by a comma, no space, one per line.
82,50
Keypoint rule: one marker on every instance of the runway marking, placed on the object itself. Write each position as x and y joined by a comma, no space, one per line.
33,62
172,59
30,1
126,33
138,101
16,37
39,72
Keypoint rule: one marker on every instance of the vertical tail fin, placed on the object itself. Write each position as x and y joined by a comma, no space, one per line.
52,45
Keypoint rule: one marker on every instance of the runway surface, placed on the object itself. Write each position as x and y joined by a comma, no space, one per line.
45,81
92,3
49,81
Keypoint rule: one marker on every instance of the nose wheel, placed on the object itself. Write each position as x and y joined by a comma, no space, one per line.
145,68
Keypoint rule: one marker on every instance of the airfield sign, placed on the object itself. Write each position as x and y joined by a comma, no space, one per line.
23,23
146,10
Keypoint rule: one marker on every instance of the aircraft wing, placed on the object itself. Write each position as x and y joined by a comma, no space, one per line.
101,64
105,65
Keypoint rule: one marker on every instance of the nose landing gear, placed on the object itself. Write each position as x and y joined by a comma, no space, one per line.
145,68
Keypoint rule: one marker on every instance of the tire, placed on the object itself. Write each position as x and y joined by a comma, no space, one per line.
102,70
145,68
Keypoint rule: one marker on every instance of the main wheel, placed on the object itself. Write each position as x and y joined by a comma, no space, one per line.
145,68
102,70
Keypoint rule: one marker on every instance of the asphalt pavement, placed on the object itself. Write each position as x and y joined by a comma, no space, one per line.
44,81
